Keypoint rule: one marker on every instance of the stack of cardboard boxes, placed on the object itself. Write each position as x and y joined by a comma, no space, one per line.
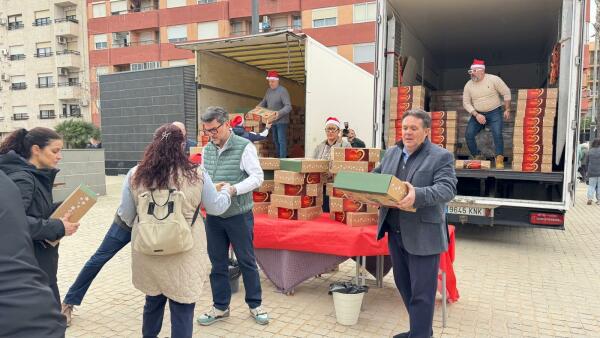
298,190
343,209
262,195
534,125
402,99
443,129
296,127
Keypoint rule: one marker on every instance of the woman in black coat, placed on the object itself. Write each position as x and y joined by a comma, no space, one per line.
30,158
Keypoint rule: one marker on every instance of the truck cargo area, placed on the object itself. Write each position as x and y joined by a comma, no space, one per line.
438,41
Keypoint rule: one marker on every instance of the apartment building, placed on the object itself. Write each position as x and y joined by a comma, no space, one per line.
43,63
130,35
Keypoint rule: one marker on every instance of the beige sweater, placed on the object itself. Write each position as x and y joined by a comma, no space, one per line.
484,96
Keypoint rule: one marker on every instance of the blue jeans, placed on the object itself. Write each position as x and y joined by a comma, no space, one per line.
494,120
594,188
237,231
182,317
114,240
280,139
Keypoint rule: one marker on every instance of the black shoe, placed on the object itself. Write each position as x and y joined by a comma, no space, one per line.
402,335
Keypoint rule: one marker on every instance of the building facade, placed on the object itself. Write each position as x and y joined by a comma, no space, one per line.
130,35
43,63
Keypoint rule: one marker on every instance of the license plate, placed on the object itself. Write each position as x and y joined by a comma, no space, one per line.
471,211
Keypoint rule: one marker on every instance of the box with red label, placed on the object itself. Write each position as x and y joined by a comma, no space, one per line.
290,177
522,132
259,197
443,115
261,208
261,114
542,149
269,163
546,121
446,135
536,107
299,189
333,192
532,158
538,93
338,166
532,167
295,214
397,110
296,202
337,204
443,124
196,150
267,186
381,189
355,218
472,164
373,155
408,94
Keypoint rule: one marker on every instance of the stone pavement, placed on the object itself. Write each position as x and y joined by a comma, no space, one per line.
513,283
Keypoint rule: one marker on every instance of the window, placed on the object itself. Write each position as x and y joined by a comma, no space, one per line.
71,110
99,10
280,23
73,81
101,41
364,53
47,111
42,18
15,22
145,65
43,49
324,17
208,30
365,12
20,113
175,3
45,81
175,63
147,38
296,22
17,52
118,7
202,2
177,33
101,71
120,39
237,28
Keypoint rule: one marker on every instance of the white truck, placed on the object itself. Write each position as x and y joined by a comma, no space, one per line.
440,38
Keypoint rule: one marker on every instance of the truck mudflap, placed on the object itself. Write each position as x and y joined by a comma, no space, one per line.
508,216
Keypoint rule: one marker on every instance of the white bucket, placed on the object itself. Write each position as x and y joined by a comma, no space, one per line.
347,307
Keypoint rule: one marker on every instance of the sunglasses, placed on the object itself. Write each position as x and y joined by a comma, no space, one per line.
212,131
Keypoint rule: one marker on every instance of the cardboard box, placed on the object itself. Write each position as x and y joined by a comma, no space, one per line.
549,105
296,202
304,165
251,123
339,166
196,150
521,132
269,163
443,124
337,204
472,164
373,155
535,122
293,214
372,188
536,112
532,139
449,134
267,186
372,208
532,158
261,114
261,197
542,149
443,115
532,167
333,192
355,218
261,208
414,91
78,203
290,177
315,190
537,93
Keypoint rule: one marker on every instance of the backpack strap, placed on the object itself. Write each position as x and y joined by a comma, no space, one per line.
196,213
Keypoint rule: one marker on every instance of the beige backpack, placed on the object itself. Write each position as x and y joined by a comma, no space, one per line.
162,229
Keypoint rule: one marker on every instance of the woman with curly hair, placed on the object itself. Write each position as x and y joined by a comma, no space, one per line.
178,277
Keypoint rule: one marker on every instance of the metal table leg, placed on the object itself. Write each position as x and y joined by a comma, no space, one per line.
379,271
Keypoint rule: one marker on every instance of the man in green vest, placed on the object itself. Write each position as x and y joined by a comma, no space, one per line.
231,160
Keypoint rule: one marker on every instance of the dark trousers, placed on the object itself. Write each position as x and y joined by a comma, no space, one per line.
280,139
182,317
416,279
114,240
237,231
494,120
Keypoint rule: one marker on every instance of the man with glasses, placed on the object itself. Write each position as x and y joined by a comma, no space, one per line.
277,98
232,160
482,99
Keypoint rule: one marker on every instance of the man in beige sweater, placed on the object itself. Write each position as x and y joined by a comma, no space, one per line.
482,98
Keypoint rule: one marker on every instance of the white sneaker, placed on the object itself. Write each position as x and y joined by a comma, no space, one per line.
260,315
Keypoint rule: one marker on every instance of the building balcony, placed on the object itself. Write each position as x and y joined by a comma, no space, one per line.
68,91
65,3
124,23
243,8
18,86
68,59
66,27
17,57
135,52
47,114
15,25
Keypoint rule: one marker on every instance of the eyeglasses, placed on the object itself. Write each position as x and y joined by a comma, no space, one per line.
212,131
332,130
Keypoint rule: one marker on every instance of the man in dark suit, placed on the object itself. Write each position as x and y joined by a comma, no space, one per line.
416,239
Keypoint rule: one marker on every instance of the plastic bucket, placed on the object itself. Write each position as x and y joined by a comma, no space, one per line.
234,278
347,307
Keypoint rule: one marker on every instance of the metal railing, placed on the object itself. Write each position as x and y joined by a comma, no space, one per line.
16,57
18,86
20,117
15,25
42,22
143,9
178,40
67,19
69,84
43,55
44,85
47,114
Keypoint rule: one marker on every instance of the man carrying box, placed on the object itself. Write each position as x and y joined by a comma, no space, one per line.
233,160
481,98
277,98
416,239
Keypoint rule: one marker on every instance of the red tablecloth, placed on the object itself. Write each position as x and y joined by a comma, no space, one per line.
322,235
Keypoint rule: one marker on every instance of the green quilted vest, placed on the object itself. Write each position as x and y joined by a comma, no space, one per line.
226,168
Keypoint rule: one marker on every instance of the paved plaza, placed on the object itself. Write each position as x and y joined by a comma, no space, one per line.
513,283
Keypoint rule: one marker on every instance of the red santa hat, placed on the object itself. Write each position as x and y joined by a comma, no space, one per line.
238,120
478,64
334,121
272,75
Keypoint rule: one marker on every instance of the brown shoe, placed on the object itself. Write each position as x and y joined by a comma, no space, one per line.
499,162
67,311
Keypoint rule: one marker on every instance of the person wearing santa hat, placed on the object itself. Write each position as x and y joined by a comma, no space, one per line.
483,98
237,126
277,98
